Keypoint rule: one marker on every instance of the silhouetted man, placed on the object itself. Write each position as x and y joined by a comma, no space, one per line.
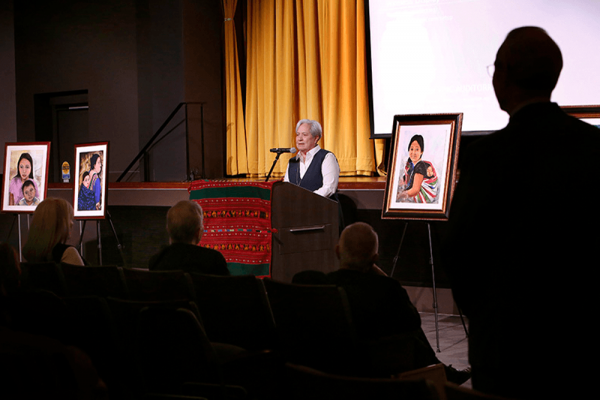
522,230
185,227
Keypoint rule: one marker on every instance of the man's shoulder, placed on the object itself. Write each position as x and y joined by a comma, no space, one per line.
356,277
190,258
208,252
186,248
536,126
377,288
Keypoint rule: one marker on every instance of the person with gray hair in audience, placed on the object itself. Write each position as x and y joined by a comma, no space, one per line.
185,227
381,310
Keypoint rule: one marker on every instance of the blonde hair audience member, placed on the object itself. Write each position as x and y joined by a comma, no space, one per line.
48,234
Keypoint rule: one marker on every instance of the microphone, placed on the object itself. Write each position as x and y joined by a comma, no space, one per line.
284,150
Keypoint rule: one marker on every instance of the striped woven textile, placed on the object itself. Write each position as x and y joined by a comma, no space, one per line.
237,222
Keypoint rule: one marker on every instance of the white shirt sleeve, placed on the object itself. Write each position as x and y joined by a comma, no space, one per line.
286,178
71,256
330,170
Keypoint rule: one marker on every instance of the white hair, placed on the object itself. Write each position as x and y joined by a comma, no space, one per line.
314,127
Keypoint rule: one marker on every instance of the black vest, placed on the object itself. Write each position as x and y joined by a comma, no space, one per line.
313,177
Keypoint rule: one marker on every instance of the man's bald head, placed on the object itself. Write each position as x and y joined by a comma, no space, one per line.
185,222
529,62
358,247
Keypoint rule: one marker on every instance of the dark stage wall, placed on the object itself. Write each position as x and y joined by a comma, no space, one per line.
131,62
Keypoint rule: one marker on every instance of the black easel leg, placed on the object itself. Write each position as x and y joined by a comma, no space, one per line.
463,322
81,232
20,245
435,303
119,246
99,242
11,228
398,252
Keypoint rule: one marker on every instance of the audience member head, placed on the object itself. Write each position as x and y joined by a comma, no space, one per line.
527,68
51,224
185,222
358,247
10,268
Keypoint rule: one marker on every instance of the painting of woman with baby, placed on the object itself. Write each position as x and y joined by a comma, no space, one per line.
90,190
422,166
25,176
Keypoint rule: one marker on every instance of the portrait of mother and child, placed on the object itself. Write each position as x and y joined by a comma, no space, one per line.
90,189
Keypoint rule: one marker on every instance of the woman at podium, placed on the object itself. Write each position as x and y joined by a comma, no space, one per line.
313,168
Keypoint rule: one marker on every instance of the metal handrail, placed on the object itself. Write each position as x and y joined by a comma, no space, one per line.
160,130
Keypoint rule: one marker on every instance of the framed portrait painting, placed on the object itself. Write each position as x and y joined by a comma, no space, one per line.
89,194
422,166
25,179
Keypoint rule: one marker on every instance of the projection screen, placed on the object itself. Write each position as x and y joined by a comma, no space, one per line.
430,56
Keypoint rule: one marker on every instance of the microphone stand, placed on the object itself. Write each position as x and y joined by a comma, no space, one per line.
273,166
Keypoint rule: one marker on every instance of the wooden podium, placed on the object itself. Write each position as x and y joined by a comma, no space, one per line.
306,231
273,229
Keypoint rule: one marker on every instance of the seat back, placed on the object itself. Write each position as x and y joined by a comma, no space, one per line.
32,370
435,373
43,275
314,326
456,392
95,332
39,312
100,281
235,310
158,285
306,383
171,348
124,313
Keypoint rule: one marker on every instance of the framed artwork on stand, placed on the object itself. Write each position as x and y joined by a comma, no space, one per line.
422,166
25,179
89,193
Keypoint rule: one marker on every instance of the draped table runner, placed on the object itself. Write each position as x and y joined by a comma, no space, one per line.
237,222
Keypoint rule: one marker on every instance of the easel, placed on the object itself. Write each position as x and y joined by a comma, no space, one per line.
99,238
435,302
19,233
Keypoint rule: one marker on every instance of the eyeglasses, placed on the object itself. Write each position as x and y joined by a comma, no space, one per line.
490,70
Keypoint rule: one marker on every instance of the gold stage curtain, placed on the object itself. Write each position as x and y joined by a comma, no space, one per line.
237,161
307,59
